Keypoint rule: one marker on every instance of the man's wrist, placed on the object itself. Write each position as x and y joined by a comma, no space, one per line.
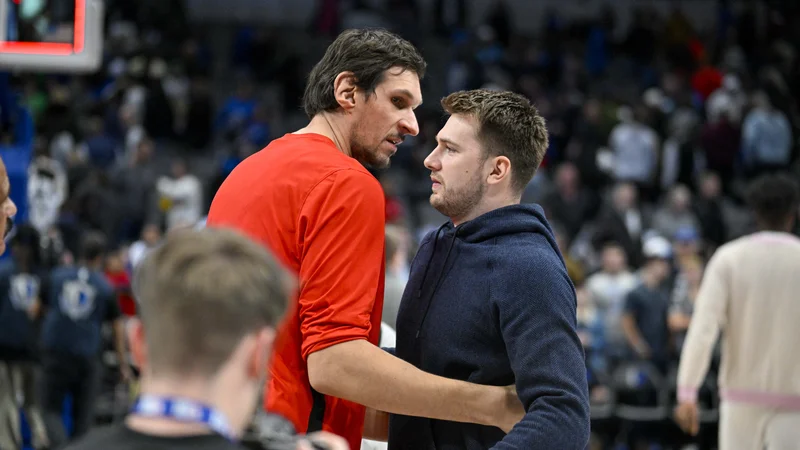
485,403
687,394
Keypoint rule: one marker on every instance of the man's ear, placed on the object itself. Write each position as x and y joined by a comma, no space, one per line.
136,340
262,352
344,90
499,169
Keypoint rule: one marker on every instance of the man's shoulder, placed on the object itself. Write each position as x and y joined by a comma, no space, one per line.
301,163
119,437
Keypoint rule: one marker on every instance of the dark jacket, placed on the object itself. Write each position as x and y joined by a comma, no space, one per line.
490,302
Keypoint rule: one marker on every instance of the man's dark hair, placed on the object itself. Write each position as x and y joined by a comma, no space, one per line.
93,245
774,199
510,126
368,53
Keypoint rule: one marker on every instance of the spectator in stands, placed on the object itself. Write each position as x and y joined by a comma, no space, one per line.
636,147
151,237
120,280
571,204
47,192
591,331
623,221
708,207
766,137
676,213
720,141
749,293
575,269
21,291
181,196
79,301
608,289
646,306
397,253
684,294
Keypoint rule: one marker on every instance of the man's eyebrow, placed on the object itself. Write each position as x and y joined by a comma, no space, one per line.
408,95
447,141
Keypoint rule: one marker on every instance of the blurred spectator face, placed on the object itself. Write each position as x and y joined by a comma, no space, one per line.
624,197
456,169
693,271
687,243
381,119
680,199
591,111
614,259
710,187
151,234
7,207
567,177
660,268
127,115
179,169
114,262
145,150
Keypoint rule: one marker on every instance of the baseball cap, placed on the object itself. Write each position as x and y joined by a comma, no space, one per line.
657,247
686,234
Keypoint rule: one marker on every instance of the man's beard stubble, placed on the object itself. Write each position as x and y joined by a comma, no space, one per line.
457,204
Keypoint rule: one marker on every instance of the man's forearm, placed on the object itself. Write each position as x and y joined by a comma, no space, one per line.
363,373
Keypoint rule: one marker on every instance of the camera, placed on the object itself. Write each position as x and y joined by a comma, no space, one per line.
274,432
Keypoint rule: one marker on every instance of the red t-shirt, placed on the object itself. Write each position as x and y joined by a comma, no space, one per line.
121,282
322,214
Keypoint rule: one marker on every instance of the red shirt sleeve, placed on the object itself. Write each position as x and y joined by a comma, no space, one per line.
341,242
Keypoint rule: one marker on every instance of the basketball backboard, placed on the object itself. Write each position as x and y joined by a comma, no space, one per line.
63,36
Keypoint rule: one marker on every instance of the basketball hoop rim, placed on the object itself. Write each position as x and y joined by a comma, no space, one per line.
53,49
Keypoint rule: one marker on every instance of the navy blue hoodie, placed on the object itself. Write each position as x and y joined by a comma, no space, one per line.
490,302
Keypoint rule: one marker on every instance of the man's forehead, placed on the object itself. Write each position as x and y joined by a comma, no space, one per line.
459,130
403,83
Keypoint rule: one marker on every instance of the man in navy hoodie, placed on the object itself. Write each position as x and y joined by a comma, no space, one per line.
488,300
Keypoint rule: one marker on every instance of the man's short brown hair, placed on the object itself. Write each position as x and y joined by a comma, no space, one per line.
368,53
509,125
200,293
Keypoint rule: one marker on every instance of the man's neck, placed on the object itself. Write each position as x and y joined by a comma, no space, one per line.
486,206
329,125
200,391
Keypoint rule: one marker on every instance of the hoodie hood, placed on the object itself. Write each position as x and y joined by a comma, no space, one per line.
509,220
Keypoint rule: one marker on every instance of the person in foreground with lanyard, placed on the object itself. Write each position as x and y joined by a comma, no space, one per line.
209,302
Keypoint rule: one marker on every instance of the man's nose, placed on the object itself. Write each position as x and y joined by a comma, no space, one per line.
409,124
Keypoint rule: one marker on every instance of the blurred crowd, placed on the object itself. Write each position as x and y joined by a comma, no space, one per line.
654,130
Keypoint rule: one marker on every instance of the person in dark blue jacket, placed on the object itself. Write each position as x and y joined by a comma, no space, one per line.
79,301
489,300
21,291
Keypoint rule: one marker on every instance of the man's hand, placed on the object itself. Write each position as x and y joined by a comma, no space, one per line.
509,408
686,415
328,440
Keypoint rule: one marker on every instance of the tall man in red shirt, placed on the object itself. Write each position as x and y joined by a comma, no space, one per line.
308,197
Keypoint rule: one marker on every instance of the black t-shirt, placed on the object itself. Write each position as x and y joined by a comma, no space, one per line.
120,437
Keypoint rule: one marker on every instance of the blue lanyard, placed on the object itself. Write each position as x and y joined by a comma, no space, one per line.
183,410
